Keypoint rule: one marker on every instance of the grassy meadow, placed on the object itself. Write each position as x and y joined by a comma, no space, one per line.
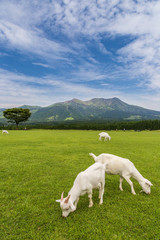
37,165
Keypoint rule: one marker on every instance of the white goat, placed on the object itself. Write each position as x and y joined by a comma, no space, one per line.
104,135
125,168
92,177
5,131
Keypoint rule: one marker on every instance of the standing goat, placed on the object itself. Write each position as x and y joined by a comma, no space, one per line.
5,131
92,177
104,135
125,168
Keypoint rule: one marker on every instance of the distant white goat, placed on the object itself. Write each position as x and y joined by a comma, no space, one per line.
104,135
92,177
125,168
5,131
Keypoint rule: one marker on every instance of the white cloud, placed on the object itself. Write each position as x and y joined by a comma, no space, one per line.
42,65
30,42
32,91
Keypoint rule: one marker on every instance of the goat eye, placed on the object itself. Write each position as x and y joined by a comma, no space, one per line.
65,209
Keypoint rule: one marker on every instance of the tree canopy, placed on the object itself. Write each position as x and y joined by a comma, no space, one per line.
17,115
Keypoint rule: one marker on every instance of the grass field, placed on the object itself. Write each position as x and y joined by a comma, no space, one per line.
37,165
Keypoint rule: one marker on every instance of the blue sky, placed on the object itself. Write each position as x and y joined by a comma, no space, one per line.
55,50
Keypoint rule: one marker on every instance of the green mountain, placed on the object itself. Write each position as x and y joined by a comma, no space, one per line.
94,109
33,109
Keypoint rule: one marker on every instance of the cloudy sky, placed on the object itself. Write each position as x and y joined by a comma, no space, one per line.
56,50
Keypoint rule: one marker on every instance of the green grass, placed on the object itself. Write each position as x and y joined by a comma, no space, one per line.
37,165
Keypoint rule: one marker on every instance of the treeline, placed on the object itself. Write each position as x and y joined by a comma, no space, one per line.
91,125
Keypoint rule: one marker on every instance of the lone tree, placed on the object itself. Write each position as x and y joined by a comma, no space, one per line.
17,115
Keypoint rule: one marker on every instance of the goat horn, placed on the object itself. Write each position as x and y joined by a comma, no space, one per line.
66,201
62,196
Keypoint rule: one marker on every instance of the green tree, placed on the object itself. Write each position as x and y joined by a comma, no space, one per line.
17,115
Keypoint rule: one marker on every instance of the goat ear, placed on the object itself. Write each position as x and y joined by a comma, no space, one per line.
149,183
72,206
59,200
67,199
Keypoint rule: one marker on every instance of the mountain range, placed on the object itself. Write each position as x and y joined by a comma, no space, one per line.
95,109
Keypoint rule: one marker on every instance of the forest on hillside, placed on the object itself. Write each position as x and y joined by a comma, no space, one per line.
90,125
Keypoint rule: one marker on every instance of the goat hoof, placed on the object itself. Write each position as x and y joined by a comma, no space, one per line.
90,205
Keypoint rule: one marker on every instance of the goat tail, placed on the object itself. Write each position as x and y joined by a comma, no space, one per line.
94,156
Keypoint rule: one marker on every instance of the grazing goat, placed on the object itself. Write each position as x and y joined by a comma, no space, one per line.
104,135
125,168
5,131
92,177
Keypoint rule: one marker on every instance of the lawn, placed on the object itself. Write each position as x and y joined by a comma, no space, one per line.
37,165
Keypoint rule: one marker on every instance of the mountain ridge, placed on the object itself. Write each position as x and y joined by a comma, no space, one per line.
93,109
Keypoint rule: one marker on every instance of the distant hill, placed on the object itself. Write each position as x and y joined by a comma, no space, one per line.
33,109
1,114
94,109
